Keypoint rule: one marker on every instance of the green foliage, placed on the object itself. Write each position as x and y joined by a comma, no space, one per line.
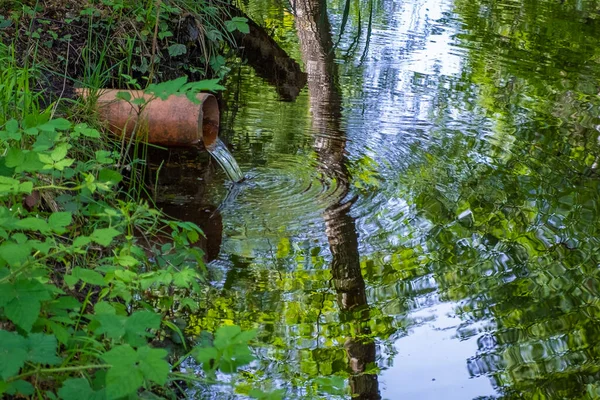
228,352
239,24
83,300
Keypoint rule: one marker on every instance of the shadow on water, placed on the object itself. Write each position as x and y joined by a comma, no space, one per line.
182,176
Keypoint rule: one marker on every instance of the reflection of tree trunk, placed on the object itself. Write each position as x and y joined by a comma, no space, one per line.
330,144
268,59
352,299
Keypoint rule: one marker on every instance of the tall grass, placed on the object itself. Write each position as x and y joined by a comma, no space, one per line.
16,97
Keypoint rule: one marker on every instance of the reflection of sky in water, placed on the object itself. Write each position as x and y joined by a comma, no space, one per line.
430,362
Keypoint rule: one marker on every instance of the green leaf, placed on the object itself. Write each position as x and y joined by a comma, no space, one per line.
21,387
14,254
238,23
24,308
75,389
33,224
11,125
113,326
14,157
13,186
126,261
85,130
42,349
137,327
109,176
225,334
206,355
59,152
185,277
23,312
55,124
43,247
211,85
61,333
13,353
177,49
89,276
124,377
123,96
104,236
58,221
166,89
31,163
153,365
7,293
81,241
62,164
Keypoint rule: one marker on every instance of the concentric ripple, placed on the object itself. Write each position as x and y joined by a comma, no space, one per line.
289,195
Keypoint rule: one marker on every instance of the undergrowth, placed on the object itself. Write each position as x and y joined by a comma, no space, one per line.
92,277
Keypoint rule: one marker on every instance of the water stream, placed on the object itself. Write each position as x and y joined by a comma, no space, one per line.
423,221
221,154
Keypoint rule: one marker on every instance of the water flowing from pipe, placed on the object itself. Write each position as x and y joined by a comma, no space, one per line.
219,152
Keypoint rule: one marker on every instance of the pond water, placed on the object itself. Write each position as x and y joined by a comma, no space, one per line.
423,220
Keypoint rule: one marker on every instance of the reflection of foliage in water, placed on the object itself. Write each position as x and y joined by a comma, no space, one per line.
513,232
498,211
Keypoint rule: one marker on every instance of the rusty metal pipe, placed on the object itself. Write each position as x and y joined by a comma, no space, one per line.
174,122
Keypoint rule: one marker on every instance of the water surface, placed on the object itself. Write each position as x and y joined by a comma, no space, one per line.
422,221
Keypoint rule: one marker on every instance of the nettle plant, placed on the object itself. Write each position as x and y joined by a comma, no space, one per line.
77,318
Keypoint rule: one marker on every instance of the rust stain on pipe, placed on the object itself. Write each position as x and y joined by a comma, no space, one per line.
174,122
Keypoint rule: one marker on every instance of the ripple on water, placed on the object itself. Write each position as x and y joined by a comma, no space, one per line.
297,192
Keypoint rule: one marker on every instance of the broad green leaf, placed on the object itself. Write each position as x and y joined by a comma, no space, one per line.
206,356
43,247
176,49
111,325
55,124
61,333
14,254
124,377
85,130
104,236
21,387
59,220
75,389
123,96
153,365
81,241
225,334
33,224
89,276
31,163
137,327
185,277
11,125
165,89
211,85
109,176
42,349
24,308
59,152
126,261
7,293
14,157
23,312
62,164
13,353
